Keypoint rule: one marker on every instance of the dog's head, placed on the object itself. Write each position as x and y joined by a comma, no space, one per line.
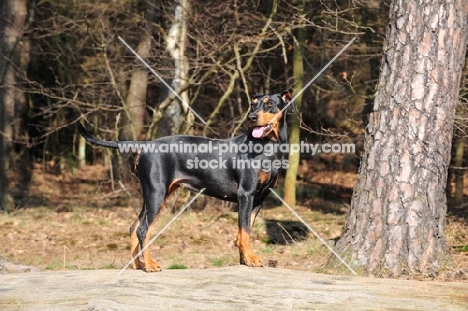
265,114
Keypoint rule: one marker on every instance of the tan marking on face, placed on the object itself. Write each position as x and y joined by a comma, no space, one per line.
255,100
265,118
266,99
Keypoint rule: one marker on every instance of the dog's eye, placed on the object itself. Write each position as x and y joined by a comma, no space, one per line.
269,105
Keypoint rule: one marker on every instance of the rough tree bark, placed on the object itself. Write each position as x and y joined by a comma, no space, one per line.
12,20
136,98
397,217
22,163
176,41
135,101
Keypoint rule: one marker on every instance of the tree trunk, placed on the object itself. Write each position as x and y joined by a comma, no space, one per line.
294,132
81,151
176,45
135,103
12,20
22,163
397,217
136,98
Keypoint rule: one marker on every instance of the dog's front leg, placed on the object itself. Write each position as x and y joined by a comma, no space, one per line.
247,257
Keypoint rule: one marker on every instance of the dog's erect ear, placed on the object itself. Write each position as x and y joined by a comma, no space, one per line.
286,96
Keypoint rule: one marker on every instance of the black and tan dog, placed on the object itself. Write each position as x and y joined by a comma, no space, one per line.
241,175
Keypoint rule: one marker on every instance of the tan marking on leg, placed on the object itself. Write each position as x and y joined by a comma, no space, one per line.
245,251
135,247
150,264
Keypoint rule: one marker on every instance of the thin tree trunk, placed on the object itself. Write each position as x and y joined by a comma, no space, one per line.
81,151
182,66
294,132
397,217
175,45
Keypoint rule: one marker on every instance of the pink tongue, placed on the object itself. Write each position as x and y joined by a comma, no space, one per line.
258,132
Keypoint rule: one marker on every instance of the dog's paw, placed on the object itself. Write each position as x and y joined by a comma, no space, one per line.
152,266
251,260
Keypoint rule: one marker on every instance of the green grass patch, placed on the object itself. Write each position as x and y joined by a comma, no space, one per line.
59,266
462,248
217,262
110,266
112,246
104,222
177,266
267,250
312,250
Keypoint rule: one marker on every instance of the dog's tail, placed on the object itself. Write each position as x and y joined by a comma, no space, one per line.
95,140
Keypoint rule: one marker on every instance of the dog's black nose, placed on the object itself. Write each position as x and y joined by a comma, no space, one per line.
253,117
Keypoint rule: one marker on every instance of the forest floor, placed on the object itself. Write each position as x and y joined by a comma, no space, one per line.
75,221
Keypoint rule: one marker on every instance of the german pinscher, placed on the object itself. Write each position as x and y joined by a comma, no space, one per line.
244,177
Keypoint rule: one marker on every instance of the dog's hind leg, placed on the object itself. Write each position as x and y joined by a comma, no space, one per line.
154,200
155,196
134,243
